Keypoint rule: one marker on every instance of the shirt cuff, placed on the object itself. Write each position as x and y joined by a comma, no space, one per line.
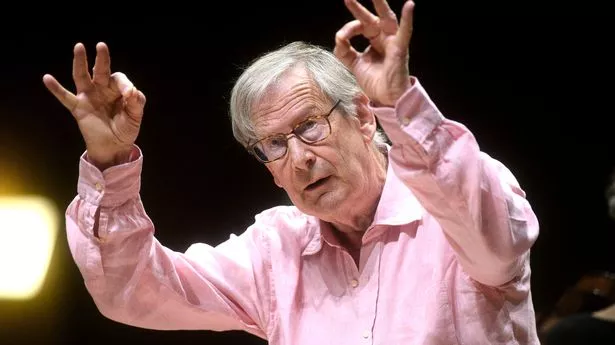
414,115
115,185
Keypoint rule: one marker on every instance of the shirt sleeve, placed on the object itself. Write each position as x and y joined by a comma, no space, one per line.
476,200
135,280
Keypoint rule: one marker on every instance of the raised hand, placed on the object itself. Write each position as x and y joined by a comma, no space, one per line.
382,68
107,107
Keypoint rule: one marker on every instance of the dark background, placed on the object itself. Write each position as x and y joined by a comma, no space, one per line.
529,79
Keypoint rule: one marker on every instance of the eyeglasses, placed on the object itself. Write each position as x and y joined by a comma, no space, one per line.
310,131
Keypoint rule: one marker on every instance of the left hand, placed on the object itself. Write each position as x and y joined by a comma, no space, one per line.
382,69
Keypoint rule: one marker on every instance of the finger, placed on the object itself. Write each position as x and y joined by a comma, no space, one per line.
371,27
134,104
120,84
81,75
388,19
68,99
102,65
343,49
405,25
133,99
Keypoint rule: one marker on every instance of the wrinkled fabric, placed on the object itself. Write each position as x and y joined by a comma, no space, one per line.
445,261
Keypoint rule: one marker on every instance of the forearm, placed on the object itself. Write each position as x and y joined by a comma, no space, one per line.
135,280
476,200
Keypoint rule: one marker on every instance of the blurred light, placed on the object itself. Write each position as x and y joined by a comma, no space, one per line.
28,230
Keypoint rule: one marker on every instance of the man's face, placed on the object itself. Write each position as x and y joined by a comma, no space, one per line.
327,177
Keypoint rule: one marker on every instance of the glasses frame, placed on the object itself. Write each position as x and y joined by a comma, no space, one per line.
286,136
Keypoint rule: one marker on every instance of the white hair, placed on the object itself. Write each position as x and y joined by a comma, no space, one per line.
332,77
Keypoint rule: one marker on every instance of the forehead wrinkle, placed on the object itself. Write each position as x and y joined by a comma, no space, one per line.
292,105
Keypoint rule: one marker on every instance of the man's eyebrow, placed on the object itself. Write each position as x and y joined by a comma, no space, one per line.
298,117
306,112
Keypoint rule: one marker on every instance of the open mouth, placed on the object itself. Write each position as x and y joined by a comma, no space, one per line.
317,184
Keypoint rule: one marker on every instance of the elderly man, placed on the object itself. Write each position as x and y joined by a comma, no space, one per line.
422,241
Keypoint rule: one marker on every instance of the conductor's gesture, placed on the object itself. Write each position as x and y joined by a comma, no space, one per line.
107,107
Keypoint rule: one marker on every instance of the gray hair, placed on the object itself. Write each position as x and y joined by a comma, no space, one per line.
327,72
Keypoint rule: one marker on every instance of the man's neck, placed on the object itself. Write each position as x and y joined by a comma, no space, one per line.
351,235
351,229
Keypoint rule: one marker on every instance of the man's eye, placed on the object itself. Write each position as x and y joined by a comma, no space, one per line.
306,126
276,142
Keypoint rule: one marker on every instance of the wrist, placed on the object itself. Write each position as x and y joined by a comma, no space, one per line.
105,161
394,93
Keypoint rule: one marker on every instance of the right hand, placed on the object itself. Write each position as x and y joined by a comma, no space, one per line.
107,107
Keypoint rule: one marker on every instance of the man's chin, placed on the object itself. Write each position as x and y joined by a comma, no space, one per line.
325,203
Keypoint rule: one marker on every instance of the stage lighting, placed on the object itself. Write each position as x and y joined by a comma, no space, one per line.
28,231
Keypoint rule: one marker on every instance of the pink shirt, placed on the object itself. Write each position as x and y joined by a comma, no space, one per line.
446,260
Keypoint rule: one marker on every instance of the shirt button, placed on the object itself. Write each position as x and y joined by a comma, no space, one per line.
354,283
98,186
366,334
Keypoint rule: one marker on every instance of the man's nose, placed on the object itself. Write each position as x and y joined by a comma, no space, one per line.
301,155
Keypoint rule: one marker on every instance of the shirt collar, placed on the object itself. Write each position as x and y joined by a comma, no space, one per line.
397,206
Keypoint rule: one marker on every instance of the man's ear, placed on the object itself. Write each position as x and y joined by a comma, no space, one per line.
366,117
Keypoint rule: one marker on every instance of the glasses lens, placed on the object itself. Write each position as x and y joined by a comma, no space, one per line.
313,129
259,153
271,148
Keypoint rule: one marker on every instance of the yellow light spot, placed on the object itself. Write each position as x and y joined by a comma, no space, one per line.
28,230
